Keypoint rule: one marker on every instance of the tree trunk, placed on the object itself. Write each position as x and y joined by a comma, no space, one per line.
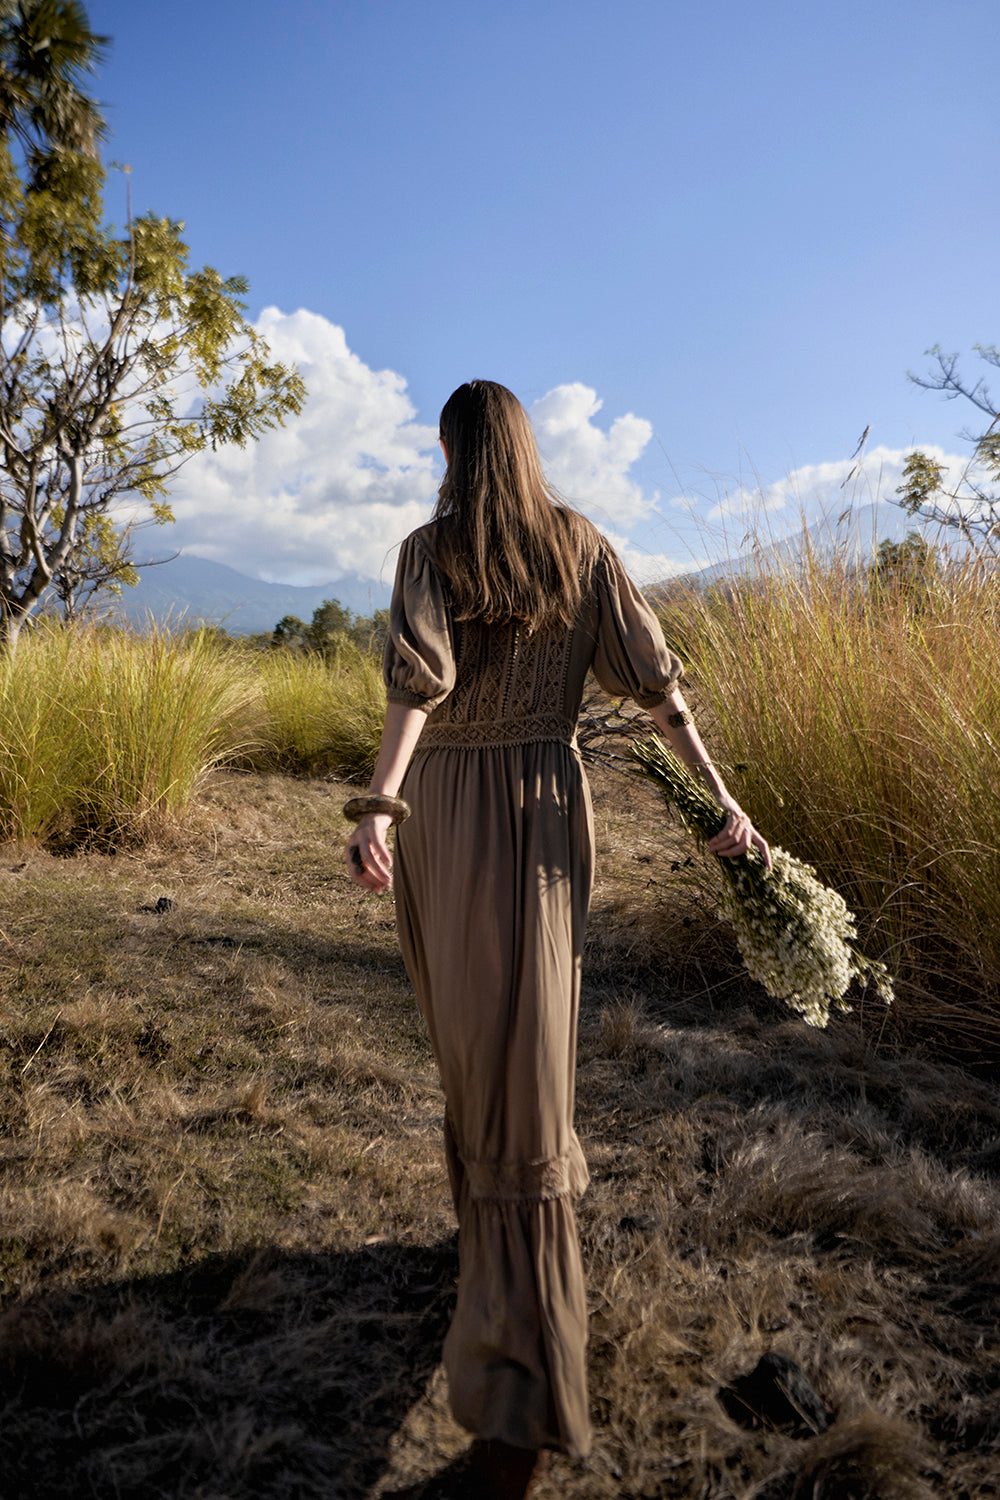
10,631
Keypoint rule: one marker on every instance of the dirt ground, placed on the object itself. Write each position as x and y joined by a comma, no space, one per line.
227,1255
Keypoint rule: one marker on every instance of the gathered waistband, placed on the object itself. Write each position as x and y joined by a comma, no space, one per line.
489,733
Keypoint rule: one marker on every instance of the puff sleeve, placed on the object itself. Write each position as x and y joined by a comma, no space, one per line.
632,659
419,660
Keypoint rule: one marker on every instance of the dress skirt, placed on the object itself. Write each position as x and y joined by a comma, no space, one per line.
493,878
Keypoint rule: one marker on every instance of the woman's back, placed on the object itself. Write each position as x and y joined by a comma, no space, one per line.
501,684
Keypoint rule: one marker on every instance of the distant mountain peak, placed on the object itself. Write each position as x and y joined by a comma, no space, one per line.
199,589
851,528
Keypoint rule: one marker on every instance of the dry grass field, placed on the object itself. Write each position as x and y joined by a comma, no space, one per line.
226,1246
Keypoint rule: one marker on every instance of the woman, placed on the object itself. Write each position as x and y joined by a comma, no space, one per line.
501,605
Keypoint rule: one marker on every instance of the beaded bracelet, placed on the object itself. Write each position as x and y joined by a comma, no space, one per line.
364,807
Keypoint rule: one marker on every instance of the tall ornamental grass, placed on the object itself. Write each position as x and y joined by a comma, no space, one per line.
320,716
860,724
41,744
107,733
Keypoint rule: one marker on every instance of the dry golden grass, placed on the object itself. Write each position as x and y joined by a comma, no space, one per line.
108,732
226,1247
859,728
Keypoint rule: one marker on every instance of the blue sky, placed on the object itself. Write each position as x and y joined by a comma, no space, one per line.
703,244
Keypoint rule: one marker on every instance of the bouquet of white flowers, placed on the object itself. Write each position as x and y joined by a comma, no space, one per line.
796,935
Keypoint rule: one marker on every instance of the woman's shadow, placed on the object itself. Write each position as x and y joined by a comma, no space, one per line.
263,1375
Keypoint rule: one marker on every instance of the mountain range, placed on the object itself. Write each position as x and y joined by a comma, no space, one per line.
195,589
853,532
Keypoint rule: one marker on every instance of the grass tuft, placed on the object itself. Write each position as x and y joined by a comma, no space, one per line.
860,730
108,733
322,716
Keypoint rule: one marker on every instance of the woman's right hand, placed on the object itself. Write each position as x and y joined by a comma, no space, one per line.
369,860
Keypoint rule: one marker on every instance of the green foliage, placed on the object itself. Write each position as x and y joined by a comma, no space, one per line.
118,361
46,46
922,482
332,630
970,507
291,632
910,567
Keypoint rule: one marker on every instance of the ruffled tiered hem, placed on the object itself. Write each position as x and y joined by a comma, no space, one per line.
515,1355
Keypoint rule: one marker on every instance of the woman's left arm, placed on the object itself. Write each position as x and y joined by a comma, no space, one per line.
369,861
673,718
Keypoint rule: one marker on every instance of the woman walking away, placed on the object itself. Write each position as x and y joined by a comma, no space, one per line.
501,605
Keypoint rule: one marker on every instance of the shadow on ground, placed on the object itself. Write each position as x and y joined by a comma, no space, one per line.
238,1377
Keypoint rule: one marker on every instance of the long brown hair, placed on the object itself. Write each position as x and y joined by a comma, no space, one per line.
510,550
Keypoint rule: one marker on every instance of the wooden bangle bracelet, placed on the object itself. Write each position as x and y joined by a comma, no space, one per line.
364,807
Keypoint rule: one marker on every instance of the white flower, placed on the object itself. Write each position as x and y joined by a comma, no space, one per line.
796,935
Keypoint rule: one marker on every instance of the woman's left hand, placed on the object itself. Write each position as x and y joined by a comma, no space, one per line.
738,836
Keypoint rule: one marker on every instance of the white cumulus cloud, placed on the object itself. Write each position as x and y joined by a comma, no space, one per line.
824,488
587,465
336,489
647,565
331,492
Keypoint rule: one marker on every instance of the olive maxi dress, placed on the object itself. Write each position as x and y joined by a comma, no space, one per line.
493,877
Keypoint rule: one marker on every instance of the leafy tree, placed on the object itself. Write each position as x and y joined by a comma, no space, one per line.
970,507
117,361
332,628
292,632
376,629
99,566
909,567
45,48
